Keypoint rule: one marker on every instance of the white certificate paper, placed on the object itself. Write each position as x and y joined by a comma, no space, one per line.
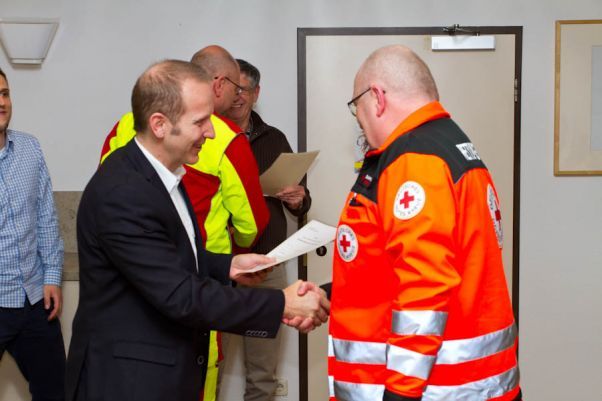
311,236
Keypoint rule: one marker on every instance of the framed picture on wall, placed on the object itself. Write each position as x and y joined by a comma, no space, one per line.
578,98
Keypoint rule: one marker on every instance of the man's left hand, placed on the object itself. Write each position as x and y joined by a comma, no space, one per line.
53,298
292,195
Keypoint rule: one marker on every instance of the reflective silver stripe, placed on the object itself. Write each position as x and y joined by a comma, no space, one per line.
359,351
345,391
458,351
415,364
331,386
330,346
409,363
485,389
422,322
399,359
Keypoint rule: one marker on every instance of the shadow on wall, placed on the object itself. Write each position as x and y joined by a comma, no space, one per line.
12,387
67,203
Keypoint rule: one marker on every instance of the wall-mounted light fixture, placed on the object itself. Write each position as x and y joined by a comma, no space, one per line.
27,40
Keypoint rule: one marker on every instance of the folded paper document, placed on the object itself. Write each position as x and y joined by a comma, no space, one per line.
288,169
311,236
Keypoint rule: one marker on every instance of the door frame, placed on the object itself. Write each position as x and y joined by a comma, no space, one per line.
303,33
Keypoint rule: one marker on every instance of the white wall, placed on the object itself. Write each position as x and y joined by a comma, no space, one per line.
101,47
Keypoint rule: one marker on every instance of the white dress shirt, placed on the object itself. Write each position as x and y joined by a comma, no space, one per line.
171,182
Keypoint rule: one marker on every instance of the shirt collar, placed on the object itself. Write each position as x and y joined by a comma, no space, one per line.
169,179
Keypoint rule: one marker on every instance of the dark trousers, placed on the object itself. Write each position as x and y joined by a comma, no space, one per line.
37,346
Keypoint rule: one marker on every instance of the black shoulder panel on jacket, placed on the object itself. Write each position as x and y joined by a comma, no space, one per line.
442,138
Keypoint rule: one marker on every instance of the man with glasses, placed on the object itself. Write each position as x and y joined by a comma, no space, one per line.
420,306
223,185
261,354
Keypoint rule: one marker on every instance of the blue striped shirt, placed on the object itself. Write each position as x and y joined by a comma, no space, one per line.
31,249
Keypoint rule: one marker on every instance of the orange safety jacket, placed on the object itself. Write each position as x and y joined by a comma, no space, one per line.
420,306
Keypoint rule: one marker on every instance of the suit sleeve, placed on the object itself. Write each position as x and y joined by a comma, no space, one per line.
136,231
421,249
242,194
218,265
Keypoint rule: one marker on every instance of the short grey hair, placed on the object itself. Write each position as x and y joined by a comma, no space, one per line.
250,71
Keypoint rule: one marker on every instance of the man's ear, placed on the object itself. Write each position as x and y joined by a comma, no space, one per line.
381,101
218,86
159,124
256,94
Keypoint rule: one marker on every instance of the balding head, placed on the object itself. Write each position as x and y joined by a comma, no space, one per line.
390,85
215,60
220,64
401,72
159,90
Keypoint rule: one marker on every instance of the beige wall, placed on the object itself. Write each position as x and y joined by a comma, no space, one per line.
72,101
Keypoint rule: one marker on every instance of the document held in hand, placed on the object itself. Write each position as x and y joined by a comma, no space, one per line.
287,169
311,236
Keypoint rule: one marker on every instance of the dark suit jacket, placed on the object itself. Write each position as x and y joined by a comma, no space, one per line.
144,314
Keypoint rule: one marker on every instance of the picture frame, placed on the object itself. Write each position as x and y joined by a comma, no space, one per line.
578,98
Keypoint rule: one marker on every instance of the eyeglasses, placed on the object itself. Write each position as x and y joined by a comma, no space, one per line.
239,88
248,90
351,104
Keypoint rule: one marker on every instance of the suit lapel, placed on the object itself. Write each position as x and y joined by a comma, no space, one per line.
142,165
197,233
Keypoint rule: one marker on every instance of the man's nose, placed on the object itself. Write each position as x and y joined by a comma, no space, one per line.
209,132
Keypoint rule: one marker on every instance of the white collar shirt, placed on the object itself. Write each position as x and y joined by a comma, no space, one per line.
171,180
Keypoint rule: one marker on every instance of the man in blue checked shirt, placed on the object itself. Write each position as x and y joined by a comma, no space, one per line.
31,260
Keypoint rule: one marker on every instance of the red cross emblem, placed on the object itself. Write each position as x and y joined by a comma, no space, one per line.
406,200
409,201
347,244
344,243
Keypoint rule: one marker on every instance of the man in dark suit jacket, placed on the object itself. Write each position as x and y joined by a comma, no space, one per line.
149,293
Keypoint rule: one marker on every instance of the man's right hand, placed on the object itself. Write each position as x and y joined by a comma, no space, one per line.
306,306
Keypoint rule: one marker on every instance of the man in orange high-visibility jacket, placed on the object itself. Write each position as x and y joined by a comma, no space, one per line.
420,306
223,185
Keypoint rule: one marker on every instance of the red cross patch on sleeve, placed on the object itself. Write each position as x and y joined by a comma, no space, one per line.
496,215
347,244
409,200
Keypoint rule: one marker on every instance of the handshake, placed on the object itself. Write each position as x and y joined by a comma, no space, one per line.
305,304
